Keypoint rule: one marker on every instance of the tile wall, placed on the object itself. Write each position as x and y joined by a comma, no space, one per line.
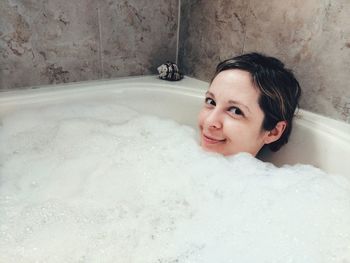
311,36
49,41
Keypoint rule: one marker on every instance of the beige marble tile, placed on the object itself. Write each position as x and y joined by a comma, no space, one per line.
47,42
137,36
210,31
311,37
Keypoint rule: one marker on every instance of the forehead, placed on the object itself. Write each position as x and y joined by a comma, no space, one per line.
235,84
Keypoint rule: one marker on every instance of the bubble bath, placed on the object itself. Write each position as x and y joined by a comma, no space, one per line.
100,182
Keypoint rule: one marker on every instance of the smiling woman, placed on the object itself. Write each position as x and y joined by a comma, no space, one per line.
250,103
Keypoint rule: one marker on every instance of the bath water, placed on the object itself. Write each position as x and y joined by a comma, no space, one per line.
98,182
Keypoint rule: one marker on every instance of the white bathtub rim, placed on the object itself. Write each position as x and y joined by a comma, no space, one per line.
187,86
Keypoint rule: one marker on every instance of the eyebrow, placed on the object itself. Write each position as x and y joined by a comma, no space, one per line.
230,101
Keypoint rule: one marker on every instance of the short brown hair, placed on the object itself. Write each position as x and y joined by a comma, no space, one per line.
279,90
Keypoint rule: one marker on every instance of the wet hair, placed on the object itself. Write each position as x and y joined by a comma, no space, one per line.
279,90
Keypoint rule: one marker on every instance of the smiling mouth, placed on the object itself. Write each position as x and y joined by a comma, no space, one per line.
211,140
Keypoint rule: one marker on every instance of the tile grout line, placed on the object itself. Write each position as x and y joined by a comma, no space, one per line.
100,41
178,32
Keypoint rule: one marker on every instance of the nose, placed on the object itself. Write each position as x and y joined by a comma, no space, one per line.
213,119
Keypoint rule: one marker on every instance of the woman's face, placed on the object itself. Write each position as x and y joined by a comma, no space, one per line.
231,118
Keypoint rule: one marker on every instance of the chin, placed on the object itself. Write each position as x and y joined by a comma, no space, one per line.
220,150
213,148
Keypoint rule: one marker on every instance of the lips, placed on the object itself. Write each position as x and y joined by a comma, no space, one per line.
208,139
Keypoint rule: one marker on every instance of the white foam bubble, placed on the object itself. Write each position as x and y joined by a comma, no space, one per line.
92,182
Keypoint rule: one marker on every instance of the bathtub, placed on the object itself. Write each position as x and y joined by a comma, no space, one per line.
316,140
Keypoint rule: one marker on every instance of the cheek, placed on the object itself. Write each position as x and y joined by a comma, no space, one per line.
239,133
231,127
201,117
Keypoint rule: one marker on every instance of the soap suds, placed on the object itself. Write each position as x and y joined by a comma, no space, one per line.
92,182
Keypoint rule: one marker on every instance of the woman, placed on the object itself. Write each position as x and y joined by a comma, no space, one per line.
250,103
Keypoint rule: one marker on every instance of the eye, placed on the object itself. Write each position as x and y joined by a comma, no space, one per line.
210,101
236,111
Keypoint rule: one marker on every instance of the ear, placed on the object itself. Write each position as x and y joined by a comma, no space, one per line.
276,132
